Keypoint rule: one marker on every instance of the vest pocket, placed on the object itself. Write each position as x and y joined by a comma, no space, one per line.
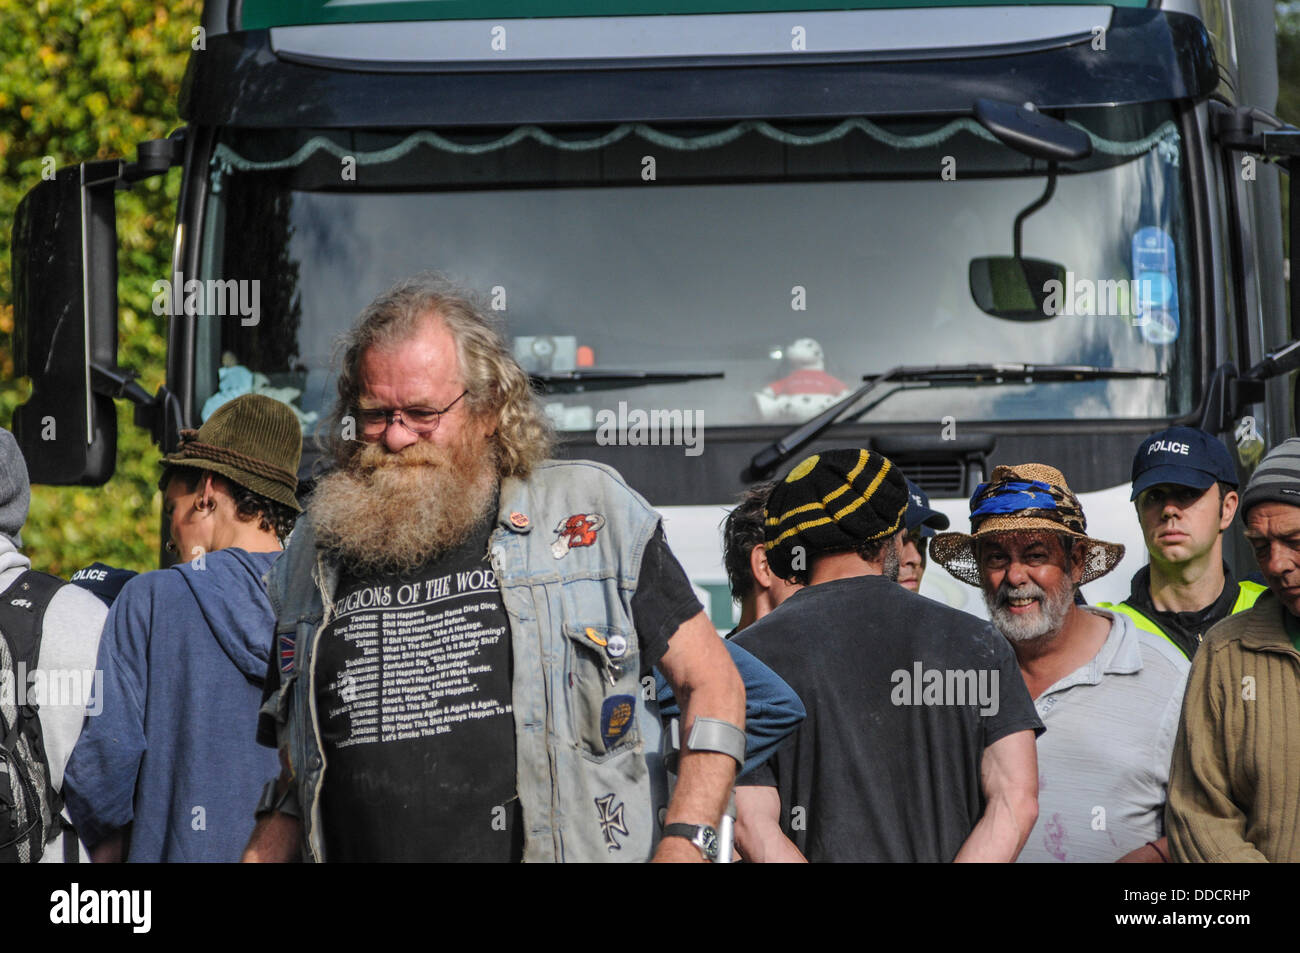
602,688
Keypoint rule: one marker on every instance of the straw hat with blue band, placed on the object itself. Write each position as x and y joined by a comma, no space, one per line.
833,502
1030,496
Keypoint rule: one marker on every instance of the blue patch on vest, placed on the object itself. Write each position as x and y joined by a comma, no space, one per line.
616,718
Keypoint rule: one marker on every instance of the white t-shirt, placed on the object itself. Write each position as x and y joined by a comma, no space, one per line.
1103,762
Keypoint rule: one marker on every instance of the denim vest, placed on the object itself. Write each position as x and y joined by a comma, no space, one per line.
567,551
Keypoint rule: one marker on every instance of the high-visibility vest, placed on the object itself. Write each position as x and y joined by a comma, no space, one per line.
1247,593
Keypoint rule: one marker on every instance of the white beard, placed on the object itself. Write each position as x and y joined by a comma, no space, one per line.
1052,610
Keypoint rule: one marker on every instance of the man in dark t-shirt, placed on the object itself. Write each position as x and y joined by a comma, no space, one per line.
918,743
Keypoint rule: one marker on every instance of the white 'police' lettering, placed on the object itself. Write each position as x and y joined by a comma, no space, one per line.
1168,447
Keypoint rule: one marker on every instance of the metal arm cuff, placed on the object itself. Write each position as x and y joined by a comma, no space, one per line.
713,734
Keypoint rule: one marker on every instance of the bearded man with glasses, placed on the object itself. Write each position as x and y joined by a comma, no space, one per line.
463,627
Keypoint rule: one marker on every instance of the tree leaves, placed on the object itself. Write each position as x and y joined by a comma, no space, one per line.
87,79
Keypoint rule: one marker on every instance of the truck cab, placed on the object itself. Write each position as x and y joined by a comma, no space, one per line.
972,234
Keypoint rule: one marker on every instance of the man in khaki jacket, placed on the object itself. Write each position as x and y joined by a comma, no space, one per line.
1234,794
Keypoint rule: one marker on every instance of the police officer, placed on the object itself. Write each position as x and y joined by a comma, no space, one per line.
921,522
1185,492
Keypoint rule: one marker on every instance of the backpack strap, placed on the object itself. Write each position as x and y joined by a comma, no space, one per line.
22,618
71,845
22,614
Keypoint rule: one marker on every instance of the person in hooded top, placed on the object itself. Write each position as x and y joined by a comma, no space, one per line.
170,769
62,684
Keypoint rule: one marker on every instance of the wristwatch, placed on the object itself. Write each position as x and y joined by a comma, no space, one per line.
702,836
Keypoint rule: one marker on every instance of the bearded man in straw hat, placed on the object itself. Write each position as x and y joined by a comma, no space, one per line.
1108,692
167,770
918,742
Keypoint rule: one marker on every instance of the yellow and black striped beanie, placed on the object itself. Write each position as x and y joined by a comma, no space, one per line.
833,502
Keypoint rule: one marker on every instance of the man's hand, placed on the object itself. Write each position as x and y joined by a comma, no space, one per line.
1147,854
706,684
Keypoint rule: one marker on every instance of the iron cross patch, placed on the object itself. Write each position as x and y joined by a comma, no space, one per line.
611,820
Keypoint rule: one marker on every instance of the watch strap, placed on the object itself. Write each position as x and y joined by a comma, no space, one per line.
705,838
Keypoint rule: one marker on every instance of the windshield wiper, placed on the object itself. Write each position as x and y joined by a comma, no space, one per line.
938,375
968,374
576,382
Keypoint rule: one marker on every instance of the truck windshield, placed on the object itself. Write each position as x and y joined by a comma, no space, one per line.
792,259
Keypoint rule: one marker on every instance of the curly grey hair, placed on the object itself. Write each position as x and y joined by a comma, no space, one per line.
497,387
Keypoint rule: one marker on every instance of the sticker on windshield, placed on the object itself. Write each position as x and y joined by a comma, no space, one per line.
1155,270
1159,327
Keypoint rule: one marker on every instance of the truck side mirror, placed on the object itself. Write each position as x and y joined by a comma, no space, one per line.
65,321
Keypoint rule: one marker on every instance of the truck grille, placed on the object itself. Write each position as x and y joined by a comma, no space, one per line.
946,478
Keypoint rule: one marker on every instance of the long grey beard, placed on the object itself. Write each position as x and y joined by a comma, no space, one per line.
393,512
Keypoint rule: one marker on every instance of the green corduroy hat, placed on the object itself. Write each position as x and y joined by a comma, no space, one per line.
253,440
831,502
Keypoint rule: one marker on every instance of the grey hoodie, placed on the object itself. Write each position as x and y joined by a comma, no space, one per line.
65,684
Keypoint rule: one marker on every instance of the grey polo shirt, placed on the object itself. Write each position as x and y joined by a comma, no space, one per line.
1103,763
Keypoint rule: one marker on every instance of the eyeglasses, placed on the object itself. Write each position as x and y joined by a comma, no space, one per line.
418,420
916,539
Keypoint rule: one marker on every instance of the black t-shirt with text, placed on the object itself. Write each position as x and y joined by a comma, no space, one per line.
413,696
413,678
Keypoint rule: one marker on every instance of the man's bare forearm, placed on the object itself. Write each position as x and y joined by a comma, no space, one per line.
275,840
276,837
704,778
1009,779
1000,833
109,850
703,788
758,828
707,685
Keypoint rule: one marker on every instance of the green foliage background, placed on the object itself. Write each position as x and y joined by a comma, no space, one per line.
82,79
